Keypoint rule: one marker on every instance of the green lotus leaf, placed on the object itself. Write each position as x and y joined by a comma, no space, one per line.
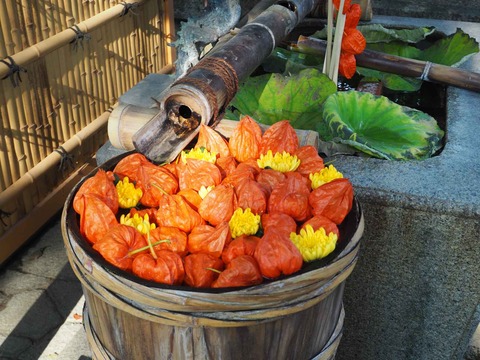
392,81
380,127
273,97
286,62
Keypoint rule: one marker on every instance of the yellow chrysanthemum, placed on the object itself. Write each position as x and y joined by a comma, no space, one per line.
324,176
128,194
203,191
244,222
141,224
314,245
199,153
282,162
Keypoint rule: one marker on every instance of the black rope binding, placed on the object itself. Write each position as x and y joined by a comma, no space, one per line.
14,71
79,37
129,7
66,160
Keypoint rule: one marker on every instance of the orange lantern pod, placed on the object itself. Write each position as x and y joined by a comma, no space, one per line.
242,245
202,269
346,5
155,181
239,174
280,222
142,212
310,161
291,197
270,178
96,218
209,239
333,200
167,268
353,41
277,255
244,143
219,204
319,221
251,194
191,197
177,239
174,211
347,65
102,186
227,165
353,16
212,141
241,271
129,165
279,137
116,245
197,173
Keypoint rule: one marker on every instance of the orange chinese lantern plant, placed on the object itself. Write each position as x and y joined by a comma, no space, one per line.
270,178
96,218
167,268
353,41
174,211
129,165
279,137
347,65
333,200
177,239
242,245
244,143
116,245
227,165
310,161
346,5
219,204
277,255
209,239
191,197
155,181
241,271
239,174
291,197
280,222
354,14
319,221
197,173
202,269
212,141
251,194
142,212
102,186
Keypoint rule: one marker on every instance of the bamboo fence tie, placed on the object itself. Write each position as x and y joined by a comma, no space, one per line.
58,40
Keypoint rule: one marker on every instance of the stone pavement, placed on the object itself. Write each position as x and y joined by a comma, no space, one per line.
41,302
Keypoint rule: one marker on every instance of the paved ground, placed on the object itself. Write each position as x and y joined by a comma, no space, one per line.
41,302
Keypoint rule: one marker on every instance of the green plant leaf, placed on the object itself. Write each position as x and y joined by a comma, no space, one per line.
287,62
380,127
273,97
392,81
452,50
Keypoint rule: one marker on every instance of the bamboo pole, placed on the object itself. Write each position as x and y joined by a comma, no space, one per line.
427,71
58,40
6,27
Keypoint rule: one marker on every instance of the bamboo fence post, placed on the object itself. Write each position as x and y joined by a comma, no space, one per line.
6,27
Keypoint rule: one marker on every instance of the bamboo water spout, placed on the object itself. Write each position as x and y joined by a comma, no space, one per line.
201,96
423,70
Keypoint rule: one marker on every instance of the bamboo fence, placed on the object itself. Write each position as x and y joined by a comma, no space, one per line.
71,61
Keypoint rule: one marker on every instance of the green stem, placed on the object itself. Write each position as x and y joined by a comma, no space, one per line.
214,270
136,251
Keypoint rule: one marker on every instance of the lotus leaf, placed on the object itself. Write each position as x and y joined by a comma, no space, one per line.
380,127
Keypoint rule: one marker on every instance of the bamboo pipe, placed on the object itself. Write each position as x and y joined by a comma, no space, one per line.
56,41
423,70
202,94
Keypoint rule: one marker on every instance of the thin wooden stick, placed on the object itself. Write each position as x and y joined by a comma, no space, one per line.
328,55
402,66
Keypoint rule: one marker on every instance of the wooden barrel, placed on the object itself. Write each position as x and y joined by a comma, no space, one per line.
295,317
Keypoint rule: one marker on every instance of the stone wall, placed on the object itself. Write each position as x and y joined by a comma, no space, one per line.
458,10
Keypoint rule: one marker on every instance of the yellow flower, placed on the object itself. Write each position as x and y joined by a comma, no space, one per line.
141,224
314,245
199,153
282,162
203,191
324,176
128,195
244,223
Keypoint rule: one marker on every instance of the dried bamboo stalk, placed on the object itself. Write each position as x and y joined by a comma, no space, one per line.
15,27
54,42
6,27
29,22
403,66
